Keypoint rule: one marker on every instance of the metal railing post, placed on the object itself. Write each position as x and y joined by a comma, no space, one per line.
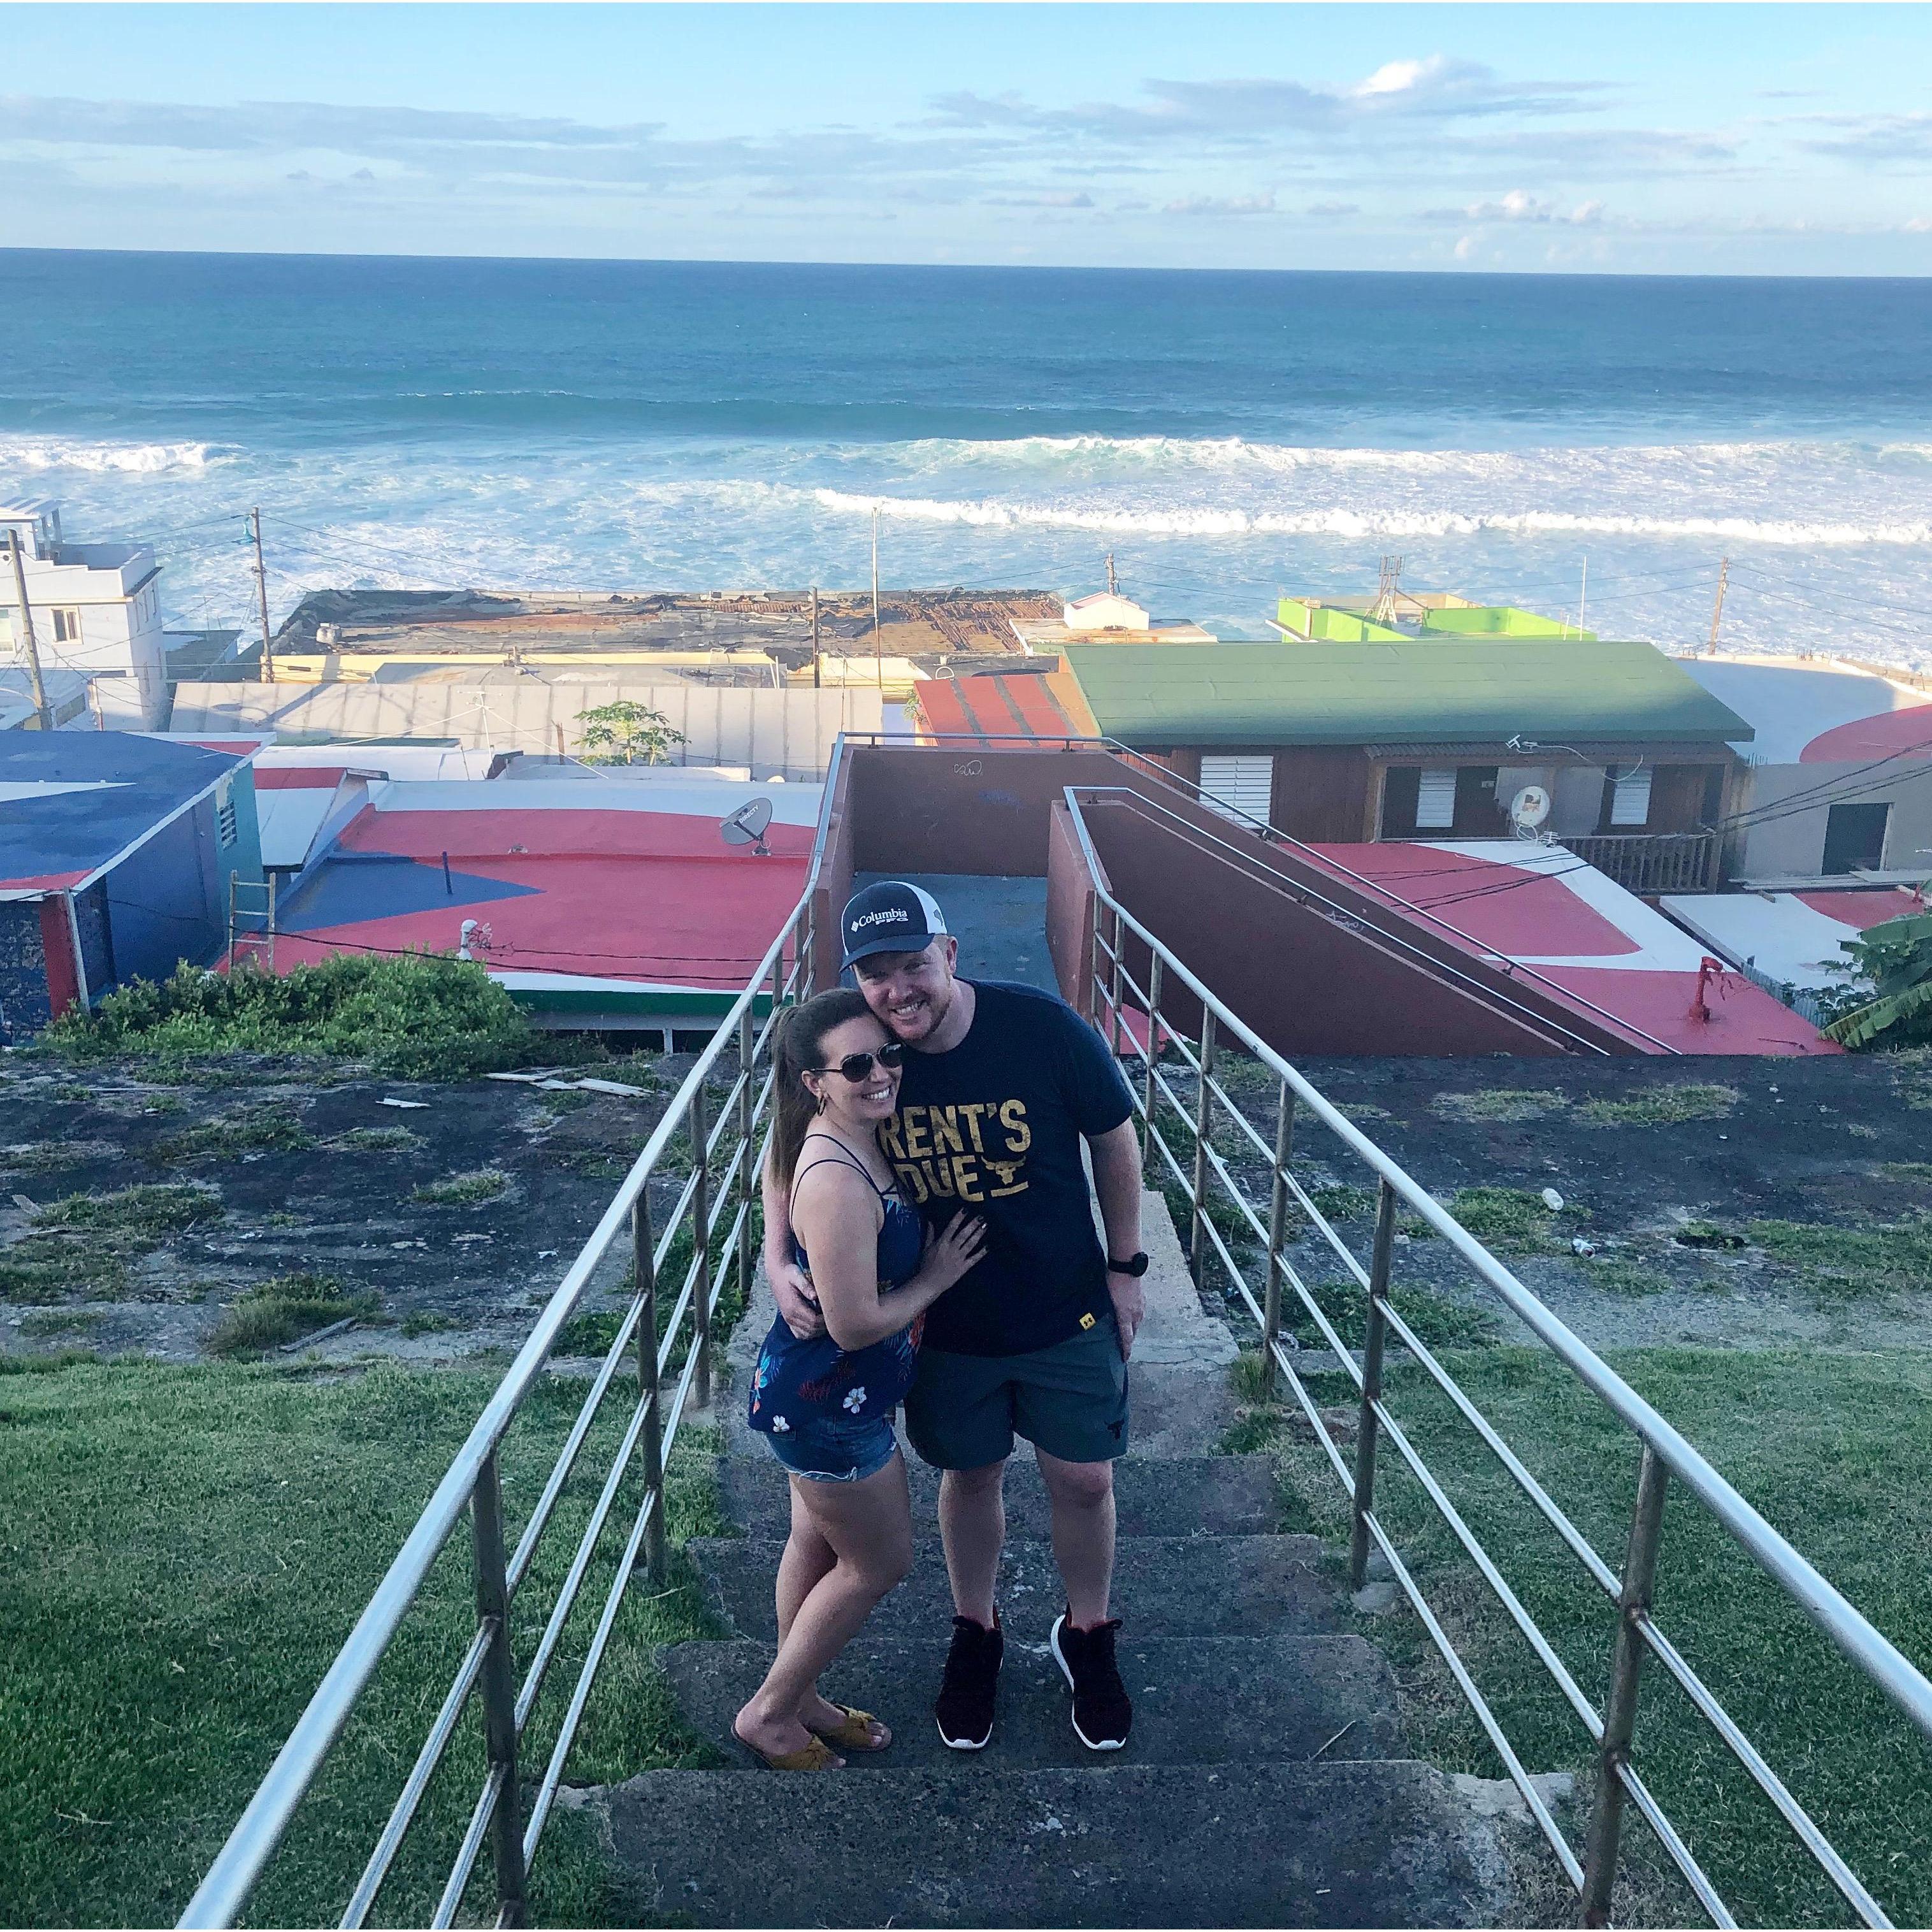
1600,1855
1114,988
747,1178
498,1685
1153,1054
648,1388
1086,1000
699,1128
1204,1126
1367,1430
1284,1145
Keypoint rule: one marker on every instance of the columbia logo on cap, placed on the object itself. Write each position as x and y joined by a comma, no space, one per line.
894,916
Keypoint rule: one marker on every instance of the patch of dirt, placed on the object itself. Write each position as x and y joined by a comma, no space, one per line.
1746,1203
313,1178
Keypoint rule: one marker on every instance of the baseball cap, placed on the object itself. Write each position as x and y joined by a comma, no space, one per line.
891,916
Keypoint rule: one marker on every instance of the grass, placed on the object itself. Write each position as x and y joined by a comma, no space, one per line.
86,1243
185,1549
1851,1263
61,1321
589,1334
463,1190
269,1129
425,1017
1513,1220
284,1308
426,1322
1663,1106
1834,1449
50,1156
1500,1103
374,1140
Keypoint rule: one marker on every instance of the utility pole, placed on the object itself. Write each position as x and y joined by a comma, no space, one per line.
1113,582
878,648
814,637
1717,611
262,587
1583,593
42,714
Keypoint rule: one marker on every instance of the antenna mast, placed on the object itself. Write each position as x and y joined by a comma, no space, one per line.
1383,611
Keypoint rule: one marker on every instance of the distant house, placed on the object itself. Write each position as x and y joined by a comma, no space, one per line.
116,852
97,610
1837,787
1409,613
1435,737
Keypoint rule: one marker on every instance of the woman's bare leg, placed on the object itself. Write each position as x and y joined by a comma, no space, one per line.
868,1526
807,1557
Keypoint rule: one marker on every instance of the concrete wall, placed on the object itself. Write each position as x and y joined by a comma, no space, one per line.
168,901
835,875
1792,844
929,810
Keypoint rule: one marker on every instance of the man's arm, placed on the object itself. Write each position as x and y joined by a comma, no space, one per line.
791,1286
1116,1181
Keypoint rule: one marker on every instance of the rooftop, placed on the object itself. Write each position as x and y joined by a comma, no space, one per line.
1818,710
75,800
1484,690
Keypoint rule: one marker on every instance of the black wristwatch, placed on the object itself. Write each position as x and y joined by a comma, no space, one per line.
1135,1265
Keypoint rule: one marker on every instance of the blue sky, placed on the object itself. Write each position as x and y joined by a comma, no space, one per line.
1728,139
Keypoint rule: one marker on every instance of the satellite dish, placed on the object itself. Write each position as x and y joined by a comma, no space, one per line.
1529,808
746,827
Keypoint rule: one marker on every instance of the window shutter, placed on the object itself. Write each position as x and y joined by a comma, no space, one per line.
1630,803
1435,799
1239,786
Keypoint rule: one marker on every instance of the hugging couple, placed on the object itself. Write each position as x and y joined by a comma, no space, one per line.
929,1239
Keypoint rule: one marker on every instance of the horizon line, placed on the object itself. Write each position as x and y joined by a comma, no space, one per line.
1007,268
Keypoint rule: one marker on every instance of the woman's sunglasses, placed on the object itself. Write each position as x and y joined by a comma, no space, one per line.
857,1066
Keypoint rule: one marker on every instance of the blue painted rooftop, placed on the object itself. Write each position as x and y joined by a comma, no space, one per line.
70,801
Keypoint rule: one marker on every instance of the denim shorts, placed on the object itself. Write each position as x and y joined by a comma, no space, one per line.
824,1450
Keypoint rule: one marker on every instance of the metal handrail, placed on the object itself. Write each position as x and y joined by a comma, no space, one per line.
1107,983
724,1156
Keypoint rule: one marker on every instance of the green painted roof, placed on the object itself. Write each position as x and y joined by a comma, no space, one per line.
1418,691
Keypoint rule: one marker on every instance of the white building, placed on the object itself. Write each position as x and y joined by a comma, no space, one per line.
97,610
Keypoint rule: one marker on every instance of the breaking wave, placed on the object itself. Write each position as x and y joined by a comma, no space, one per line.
99,459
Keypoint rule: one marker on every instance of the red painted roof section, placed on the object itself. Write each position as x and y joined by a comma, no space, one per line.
645,896
481,838
1509,911
1001,704
1884,734
1495,908
1863,909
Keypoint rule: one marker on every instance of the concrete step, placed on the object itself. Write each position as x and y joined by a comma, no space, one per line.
1163,1586
1197,1700
1376,1844
1185,1496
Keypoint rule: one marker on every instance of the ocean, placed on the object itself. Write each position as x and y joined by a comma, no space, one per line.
1228,437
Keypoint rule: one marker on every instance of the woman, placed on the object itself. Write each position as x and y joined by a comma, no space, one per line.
826,1406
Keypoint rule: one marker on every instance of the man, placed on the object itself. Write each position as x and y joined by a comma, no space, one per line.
1001,1084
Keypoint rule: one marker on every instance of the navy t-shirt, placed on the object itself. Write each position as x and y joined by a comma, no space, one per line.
994,1126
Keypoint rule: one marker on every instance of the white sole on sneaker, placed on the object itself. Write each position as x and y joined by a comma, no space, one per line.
962,1743
1060,1657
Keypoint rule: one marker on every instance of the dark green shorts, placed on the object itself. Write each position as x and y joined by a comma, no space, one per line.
963,1411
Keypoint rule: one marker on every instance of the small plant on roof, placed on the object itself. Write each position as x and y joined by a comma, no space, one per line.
1897,959
627,733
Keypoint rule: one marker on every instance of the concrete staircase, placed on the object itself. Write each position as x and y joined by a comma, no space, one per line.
1261,1786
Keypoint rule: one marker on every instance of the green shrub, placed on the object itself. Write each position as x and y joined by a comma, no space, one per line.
423,1016
271,1130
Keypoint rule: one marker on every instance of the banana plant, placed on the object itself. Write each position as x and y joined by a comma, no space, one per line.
1897,959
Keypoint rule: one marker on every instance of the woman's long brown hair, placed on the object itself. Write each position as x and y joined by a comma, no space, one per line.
801,1036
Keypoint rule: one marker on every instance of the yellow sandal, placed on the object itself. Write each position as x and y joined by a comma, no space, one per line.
856,1733
815,1755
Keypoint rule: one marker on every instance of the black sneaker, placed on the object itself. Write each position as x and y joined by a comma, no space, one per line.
1102,1712
964,1708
